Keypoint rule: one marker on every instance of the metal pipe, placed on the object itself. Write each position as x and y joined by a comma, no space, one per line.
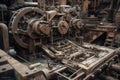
116,67
106,77
5,36
110,78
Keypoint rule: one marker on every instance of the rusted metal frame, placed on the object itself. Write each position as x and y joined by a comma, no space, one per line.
101,63
78,75
101,29
6,70
5,36
70,77
99,69
21,74
57,72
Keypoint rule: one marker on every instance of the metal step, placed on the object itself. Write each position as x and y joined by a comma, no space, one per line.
110,38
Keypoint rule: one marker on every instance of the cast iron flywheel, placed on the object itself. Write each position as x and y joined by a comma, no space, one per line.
19,24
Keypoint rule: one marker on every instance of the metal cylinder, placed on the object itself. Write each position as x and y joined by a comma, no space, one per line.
41,27
63,27
116,67
109,78
76,23
5,36
106,77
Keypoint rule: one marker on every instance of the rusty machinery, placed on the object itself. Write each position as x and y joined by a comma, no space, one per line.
73,69
92,7
10,68
43,37
99,20
76,63
30,26
83,66
26,26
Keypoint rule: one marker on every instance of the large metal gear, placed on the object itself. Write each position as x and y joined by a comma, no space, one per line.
25,23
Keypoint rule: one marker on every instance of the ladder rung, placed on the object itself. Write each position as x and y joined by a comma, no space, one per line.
106,43
111,35
109,40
